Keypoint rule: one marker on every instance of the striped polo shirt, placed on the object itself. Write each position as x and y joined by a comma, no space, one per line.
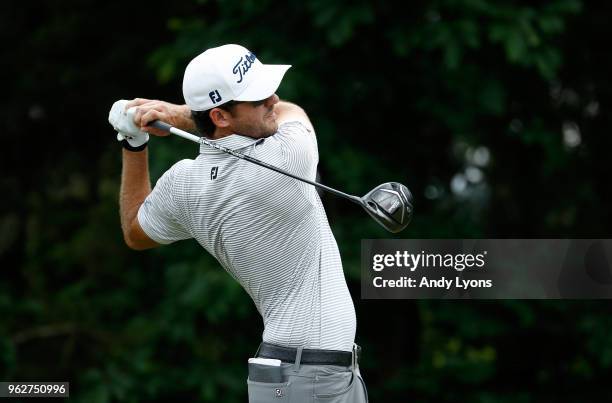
269,231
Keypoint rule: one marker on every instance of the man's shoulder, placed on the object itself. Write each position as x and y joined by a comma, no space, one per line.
297,146
298,132
175,172
181,165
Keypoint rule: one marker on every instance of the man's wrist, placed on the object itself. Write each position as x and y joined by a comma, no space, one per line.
126,145
187,122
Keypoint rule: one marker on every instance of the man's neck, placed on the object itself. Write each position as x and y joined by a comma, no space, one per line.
220,133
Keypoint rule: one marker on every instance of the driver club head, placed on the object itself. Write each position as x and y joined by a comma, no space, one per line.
390,204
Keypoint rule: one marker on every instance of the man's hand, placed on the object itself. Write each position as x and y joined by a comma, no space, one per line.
147,110
122,120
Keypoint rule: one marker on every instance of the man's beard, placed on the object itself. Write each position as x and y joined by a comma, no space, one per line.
258,131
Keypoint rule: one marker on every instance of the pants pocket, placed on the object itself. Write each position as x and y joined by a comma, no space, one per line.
365,390
263,392
330,387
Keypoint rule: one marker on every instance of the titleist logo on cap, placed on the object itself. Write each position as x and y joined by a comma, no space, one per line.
243,65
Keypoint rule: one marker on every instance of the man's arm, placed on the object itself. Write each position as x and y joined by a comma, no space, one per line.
135,187
130,119
288,112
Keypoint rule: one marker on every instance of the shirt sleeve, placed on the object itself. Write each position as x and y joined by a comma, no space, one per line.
159,215
299,145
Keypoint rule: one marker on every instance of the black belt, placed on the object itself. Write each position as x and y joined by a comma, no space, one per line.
309,356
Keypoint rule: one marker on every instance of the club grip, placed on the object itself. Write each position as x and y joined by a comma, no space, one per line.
158,124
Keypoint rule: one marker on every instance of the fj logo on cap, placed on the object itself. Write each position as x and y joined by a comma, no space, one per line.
243,65
215,96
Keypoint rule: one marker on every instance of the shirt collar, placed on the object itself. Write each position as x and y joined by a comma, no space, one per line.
234,142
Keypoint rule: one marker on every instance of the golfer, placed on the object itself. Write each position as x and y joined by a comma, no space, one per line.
269,231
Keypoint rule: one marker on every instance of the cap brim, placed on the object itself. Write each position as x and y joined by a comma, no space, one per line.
266,84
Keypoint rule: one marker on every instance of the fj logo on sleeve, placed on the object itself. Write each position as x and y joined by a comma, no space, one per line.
215,97
213,173
278,392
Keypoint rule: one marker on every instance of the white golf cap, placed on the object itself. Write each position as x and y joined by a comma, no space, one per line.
229,73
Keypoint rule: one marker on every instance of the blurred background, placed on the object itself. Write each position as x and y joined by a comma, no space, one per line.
494,113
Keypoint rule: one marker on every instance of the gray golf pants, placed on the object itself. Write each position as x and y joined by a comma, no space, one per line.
312,384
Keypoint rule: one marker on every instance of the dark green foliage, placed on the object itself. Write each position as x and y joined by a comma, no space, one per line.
494,113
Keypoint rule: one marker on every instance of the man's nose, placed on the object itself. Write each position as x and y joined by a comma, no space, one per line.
272,100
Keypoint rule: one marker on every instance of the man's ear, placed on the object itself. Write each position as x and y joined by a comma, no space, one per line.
219,117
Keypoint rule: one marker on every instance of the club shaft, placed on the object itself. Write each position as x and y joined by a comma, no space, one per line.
201,140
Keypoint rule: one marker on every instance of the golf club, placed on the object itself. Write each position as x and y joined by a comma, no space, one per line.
390,204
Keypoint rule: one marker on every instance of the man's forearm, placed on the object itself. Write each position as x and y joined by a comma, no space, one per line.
287,111
135,187
282,106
